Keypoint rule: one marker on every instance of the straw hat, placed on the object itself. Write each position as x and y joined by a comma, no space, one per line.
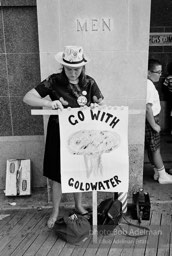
72,56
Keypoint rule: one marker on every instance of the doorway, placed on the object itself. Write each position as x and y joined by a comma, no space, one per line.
160,48
159,193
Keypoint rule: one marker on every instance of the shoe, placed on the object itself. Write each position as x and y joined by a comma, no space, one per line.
165,179
156,175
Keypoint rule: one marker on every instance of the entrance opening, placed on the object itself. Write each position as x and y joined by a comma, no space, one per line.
159,193
161,50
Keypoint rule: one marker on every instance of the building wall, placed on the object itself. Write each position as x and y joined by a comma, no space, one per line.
21,135
118,53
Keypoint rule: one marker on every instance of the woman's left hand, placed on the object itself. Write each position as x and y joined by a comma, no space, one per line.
97,101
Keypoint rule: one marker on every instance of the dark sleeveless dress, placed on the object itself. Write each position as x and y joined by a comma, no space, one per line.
56,87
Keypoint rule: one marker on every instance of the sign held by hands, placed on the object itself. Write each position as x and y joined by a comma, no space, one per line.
94,149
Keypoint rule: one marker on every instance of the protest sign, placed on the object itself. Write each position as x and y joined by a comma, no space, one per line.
94,149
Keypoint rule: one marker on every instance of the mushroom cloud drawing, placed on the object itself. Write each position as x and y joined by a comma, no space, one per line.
92,144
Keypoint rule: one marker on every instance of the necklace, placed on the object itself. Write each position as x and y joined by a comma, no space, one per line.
79,94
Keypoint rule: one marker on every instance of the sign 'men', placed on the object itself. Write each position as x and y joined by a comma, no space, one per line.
85,25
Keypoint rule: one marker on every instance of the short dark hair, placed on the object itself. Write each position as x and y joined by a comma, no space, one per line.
152,63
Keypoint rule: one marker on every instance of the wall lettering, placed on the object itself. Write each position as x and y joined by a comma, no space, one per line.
96,25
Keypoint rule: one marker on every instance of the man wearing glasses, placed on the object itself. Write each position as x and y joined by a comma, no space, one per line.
152,131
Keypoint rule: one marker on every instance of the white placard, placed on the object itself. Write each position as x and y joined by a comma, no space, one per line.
94,149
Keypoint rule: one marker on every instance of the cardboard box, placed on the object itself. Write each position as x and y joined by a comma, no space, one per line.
18,177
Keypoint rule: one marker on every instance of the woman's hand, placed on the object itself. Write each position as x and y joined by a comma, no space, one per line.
56,104
94,105
98,101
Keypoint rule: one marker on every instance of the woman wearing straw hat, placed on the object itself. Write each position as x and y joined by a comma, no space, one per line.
70,88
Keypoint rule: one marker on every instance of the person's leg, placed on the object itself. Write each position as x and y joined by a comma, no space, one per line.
152,140
157,159
78,203
156,174
164,177
56,198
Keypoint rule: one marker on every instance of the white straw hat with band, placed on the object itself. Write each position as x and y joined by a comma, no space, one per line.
73,56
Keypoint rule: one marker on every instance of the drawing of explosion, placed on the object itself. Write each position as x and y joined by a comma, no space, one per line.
92,144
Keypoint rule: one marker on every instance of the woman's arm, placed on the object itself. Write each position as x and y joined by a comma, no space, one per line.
33,98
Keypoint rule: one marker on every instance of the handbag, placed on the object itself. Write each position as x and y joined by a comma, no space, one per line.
73,229
110,216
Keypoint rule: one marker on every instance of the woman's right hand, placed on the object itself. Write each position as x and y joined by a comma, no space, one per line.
33,98
56,104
